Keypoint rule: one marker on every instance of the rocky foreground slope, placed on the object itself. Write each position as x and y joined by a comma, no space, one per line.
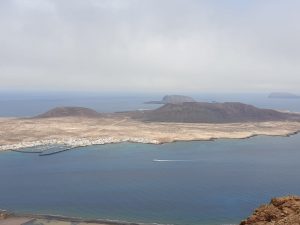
280,211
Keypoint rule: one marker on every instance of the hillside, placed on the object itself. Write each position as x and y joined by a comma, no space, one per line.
186,112
201,112
69,111
280,211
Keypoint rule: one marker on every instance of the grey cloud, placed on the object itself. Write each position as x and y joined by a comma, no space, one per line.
150,45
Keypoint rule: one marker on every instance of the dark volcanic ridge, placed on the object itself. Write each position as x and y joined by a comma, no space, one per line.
68,112
202,112
187,112
173,99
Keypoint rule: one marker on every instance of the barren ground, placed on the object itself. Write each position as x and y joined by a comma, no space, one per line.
75,131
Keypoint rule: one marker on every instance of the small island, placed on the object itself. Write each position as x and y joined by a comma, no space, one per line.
284,95
173,99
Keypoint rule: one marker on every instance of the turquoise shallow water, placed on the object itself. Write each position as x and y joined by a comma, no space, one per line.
217,182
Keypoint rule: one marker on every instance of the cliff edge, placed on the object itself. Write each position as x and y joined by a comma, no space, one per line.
280,211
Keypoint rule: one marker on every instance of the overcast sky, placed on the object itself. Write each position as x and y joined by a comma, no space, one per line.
150,45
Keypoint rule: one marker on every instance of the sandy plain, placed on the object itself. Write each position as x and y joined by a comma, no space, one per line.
16,133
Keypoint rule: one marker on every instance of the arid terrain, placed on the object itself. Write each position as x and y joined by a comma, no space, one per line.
280,211
78,126
16,133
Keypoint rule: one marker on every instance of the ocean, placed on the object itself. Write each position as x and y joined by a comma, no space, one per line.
31,104
197,182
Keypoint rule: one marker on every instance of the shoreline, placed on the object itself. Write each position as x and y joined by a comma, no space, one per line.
74,132
4,215
74,143
78,143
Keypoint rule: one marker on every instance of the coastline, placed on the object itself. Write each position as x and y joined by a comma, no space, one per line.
57,219
77,143
74,132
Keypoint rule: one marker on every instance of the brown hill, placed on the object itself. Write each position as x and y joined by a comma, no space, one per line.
202,112
187,112
280,211
69,111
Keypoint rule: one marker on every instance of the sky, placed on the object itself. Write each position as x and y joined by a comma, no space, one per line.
150,45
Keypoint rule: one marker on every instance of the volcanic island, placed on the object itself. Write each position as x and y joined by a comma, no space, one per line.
176,121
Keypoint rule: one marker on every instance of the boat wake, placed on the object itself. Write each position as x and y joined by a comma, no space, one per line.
174,160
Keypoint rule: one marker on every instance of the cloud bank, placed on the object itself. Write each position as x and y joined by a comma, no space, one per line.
150,45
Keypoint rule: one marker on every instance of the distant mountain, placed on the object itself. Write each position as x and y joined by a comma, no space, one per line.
202,112
69,111
186,112
284,95
173,99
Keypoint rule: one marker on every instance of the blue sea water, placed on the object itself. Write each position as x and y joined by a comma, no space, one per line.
31,104
208,182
